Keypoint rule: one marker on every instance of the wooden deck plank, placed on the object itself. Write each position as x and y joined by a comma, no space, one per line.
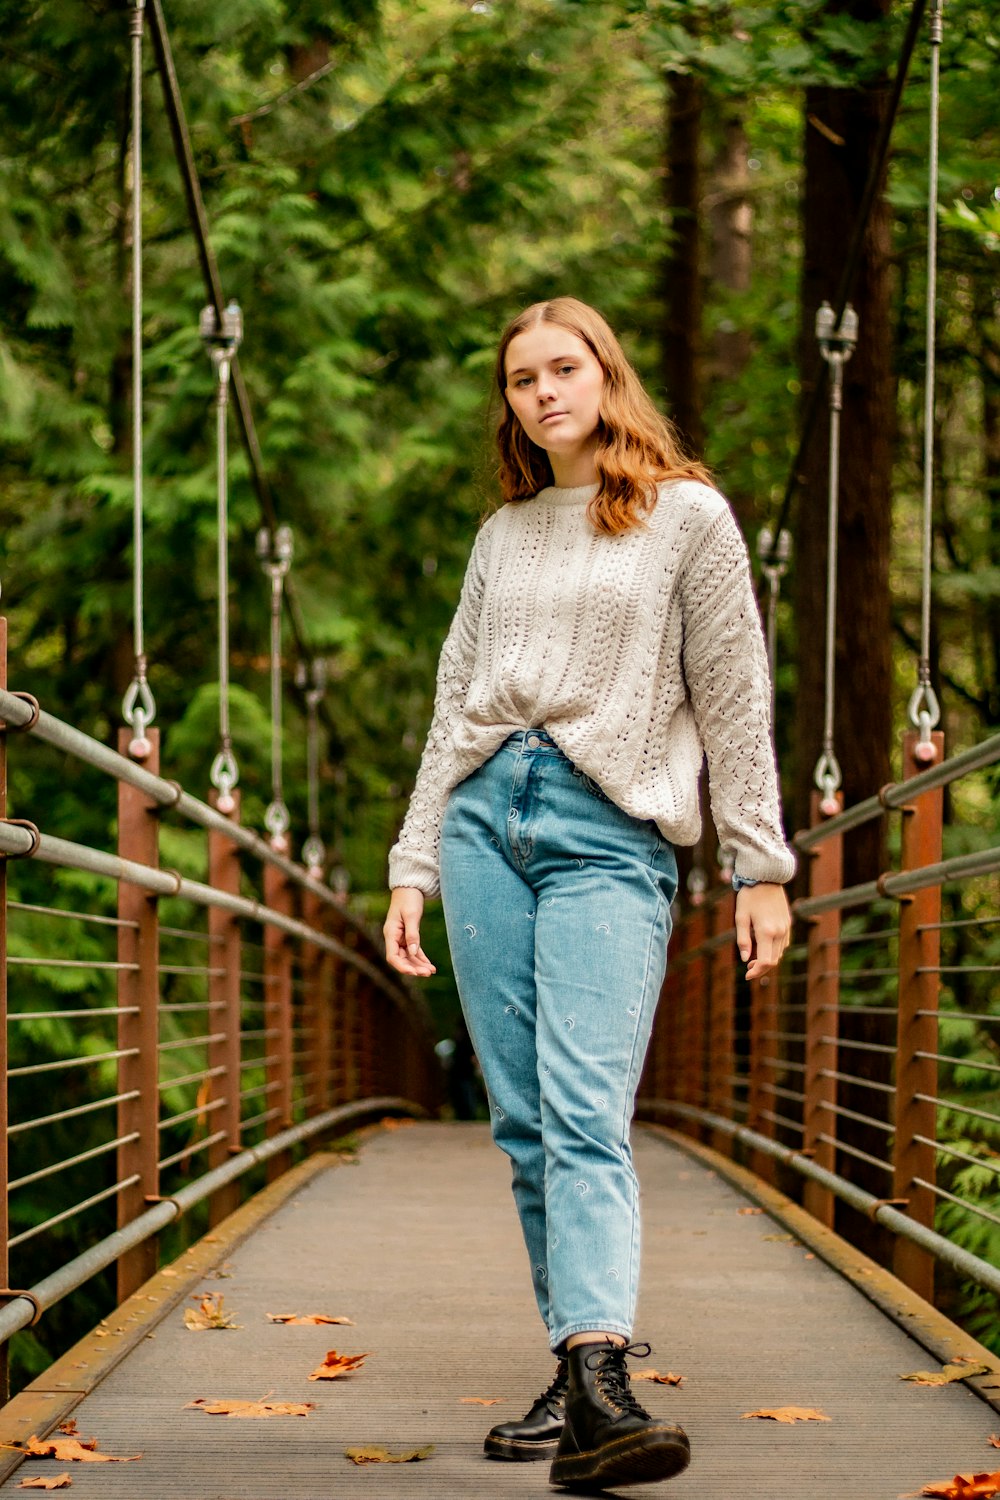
418,1243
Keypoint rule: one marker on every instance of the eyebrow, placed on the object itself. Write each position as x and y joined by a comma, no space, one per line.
560,359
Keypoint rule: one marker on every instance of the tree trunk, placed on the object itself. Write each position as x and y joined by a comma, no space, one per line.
730,220
682,268
987,305
841,129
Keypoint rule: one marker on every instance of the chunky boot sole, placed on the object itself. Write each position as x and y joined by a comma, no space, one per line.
516,1450
638,1458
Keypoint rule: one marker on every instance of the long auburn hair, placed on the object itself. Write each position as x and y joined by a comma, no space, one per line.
637,446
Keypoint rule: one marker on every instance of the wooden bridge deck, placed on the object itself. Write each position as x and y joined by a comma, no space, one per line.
417,1243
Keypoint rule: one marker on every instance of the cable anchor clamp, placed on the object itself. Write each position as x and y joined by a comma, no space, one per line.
11,1294
29,724
314,855
277,821
224,776
924,712
827,778
139,711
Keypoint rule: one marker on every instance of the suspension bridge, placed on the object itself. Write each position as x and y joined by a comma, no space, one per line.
241,1120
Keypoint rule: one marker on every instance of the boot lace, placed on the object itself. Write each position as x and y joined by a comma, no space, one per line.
555,1394
611,1375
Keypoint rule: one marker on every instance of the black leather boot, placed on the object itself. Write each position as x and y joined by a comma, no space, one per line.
537,1434
607,1437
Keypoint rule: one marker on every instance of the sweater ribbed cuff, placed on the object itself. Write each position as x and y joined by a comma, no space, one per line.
415,871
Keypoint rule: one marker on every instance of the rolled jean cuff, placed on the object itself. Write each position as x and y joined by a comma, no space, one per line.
557,1341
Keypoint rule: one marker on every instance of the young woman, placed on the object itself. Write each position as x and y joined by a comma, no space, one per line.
607,636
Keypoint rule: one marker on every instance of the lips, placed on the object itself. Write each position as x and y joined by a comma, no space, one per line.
550,414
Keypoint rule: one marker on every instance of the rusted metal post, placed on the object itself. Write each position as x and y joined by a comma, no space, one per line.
4,1174
138,1024
919,986
224,998
278,894
765,995
822,1019
722,1015
316,965
673,1073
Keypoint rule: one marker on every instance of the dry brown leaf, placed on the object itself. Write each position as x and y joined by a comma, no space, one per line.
994,1439
293,1318
479,1400
790,1414
782,1239
668,1379
956,1370
964,1487
69,1428
335,1365
749,1210
68,1450
221,1407
209,1313
383,1456
57,1482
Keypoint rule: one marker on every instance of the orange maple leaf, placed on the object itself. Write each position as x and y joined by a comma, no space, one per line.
221,1407
57,1482
957,1369
335,1365
749,1210
479,1400
964,1487
312,1318
994,1439
790,1414
374,1455
209,1313
668,1379
68,1450
390,1122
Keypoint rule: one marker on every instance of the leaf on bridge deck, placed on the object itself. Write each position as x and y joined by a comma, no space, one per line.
336,1365
392,1123
220,1407
668,1379
963,1487
209,1313
958,1369
293,1318
479,1400
790,1414
749,1211
57,1482
383,1456
994,1439
68,1450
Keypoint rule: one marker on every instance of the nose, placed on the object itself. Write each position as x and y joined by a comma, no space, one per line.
545,390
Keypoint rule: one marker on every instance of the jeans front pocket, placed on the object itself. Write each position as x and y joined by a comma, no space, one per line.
590,785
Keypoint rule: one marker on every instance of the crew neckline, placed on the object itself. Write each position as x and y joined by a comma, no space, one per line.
578,494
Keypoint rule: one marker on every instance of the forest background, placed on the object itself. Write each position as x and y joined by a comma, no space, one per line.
387,181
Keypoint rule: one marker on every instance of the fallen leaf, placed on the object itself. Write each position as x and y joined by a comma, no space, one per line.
994,1439
293,1318
57,1482
809,1255
336,1365
68,1450
219,1407
668,1379
392,1123
479,1400
69,1428
964,1487
783,1239
956,1370
790,1414
100,1333
749,1210
383,1456
209,1313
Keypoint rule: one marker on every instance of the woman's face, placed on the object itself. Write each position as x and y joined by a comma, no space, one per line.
554,386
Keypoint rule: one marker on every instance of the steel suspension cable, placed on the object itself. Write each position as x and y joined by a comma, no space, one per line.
313,680
222,341
924,709
138,705
852,260
276,558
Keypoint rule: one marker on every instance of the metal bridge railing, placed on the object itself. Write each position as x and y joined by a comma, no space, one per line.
178,1034
870,1065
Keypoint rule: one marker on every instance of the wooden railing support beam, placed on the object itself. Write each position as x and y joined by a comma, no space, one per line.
822,1019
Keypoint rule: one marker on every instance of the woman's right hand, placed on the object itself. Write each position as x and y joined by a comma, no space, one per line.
402,933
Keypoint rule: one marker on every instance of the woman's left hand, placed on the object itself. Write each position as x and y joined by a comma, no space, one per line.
763,927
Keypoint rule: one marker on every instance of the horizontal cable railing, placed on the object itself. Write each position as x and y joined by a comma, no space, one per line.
182,1034
868,1064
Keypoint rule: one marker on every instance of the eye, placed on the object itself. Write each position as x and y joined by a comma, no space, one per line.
521,380
566,369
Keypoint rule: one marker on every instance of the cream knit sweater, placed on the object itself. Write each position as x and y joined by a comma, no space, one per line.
637,653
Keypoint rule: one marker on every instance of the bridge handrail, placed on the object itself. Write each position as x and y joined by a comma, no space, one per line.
898,794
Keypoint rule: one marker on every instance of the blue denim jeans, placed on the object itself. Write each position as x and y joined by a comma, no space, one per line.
558,911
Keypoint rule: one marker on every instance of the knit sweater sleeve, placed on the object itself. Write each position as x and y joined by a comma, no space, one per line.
413,859
725,667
